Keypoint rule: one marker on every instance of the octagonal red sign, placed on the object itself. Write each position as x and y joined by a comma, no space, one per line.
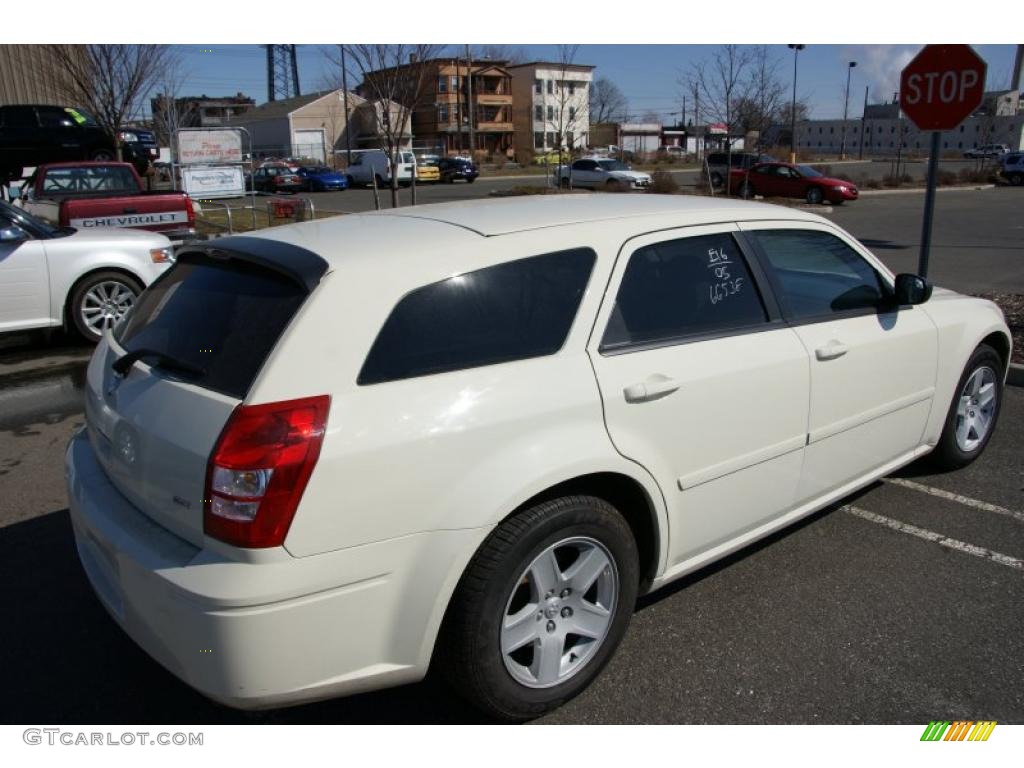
942,86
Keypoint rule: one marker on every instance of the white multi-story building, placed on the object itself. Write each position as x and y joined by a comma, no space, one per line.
551,105
879,132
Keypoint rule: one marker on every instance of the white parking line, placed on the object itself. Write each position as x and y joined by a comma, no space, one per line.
937,538
950,496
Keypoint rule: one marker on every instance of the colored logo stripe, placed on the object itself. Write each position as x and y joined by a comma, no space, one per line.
960,730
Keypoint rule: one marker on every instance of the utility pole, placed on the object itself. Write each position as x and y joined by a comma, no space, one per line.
696,122
863,116
792,114
469,101
344,91
846,104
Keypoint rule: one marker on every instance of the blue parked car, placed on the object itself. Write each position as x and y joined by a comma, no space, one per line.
320,178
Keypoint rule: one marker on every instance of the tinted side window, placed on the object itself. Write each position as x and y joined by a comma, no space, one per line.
680,288
511,311
54,117
818,274
19,117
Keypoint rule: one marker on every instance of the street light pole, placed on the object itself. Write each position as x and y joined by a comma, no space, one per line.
792,110
846,106
344,93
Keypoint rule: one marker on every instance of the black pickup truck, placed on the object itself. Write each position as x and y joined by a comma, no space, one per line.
33,134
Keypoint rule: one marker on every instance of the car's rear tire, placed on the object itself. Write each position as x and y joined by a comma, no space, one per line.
508,644
716,179
1016,179
99,300
973,414
815,196
103,155
746,191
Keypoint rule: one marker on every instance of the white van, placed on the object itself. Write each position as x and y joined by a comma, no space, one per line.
374,162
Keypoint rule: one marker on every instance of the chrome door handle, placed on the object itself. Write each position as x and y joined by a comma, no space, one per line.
831,351
654,387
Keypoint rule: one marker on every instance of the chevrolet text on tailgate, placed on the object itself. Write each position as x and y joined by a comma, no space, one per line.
98,195
334,463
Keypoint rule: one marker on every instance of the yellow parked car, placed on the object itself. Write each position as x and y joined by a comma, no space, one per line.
427,173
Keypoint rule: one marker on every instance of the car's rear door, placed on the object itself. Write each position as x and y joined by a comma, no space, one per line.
872,365
702,384
207,326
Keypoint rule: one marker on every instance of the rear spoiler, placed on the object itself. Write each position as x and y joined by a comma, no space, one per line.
298,264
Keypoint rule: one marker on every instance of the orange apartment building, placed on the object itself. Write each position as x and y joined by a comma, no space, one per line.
441,119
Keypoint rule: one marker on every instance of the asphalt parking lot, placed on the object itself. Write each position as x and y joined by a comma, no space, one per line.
902,604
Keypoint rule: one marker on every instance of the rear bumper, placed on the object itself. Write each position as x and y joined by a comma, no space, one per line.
274,630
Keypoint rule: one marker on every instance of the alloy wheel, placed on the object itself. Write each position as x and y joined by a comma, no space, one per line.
559,612
975,412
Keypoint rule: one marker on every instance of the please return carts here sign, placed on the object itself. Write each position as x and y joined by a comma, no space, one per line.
207,147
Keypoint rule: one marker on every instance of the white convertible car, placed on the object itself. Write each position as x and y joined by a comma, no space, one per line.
329,463
59,276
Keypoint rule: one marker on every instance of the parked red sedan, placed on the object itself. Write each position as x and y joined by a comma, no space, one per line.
787,180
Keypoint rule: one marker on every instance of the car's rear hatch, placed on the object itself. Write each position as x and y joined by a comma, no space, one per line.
207,326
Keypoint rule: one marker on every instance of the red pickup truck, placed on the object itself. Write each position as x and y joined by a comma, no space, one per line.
90,195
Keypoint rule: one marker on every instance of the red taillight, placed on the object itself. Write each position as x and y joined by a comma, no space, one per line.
259,470
191,211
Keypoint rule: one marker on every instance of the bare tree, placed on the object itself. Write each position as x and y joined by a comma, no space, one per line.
394,81
764,94
112,81
607,103
720,83
170,110
566,101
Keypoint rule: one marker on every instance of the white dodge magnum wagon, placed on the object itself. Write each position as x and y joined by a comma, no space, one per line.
314,466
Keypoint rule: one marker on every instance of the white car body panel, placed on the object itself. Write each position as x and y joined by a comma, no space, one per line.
413,474
39,274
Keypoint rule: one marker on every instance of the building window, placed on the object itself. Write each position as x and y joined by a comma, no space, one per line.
820,131
832,129
455,82
551,112
569,139
442,113
538,86
551,86
442,84
538,113
959,145
538,141
572,113
550,139
572,88
854,131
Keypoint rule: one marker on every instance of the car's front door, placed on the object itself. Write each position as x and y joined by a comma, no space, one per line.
872,365
24,281
702,384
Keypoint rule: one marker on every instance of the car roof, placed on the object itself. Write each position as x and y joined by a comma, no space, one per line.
448,225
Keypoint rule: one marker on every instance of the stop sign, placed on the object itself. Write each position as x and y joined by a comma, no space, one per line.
941,86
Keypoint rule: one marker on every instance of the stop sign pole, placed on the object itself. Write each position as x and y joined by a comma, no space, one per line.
939,88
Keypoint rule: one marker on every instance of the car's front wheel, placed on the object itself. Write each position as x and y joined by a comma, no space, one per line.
972,415
100,300
541,607
1016,179
815,196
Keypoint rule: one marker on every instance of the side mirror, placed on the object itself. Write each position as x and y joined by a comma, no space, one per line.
911,289
13,235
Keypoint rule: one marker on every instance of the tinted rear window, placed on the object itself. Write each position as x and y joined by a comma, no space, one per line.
511,311
223,317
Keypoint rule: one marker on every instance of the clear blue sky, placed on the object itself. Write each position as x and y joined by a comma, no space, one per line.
647,74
